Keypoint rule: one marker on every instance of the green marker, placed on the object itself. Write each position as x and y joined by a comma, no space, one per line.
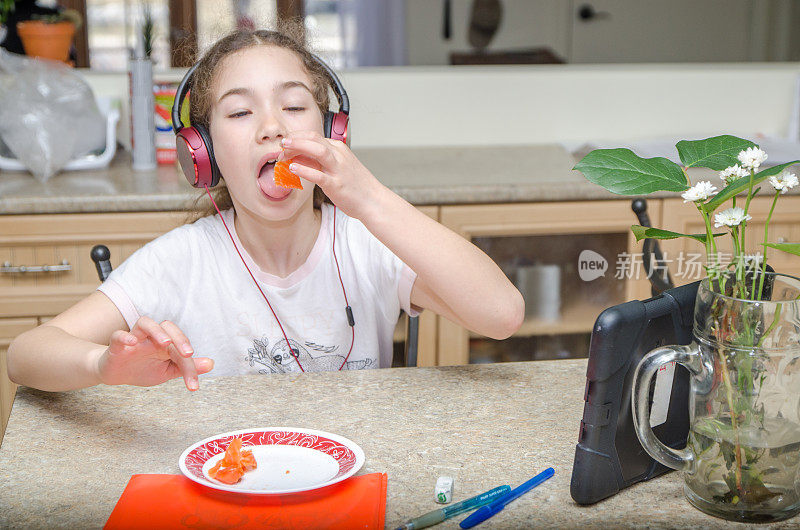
437,516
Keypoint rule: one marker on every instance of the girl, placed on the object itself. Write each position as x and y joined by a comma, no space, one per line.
262,97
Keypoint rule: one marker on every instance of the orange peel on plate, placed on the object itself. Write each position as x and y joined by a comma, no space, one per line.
232,466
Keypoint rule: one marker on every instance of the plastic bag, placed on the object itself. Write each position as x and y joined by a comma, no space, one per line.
48,114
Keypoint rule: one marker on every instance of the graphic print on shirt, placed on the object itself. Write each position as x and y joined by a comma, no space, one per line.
279,360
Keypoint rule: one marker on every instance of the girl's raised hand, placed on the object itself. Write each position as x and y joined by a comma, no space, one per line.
332,166
151,354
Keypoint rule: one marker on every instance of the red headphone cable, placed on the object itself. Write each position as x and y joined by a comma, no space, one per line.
350,320
348,309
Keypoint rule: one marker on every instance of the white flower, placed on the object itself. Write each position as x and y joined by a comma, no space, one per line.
783,182
732,173
752,157
699,192
731,217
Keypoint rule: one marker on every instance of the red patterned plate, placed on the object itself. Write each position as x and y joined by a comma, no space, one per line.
289,460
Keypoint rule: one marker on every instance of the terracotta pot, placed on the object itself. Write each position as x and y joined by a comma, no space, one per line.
48,41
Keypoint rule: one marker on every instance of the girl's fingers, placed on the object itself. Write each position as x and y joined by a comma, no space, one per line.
203,365
178,354
320,151
307,161
119,339
307,134
185,366
169,338
312,175
146,328
177,337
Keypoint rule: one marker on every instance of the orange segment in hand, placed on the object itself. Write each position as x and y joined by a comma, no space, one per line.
284,177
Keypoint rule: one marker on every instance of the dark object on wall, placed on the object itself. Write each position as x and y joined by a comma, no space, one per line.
587,13
447,21
484,20
529,56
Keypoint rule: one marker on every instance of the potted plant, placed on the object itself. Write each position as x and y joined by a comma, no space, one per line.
743,451
49,36
6,8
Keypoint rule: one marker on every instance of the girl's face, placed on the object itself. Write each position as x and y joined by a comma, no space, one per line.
261,94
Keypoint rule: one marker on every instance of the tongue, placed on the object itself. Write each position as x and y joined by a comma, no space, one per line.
266,182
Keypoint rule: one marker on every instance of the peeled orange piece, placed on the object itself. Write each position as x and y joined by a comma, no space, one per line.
284,177
232,466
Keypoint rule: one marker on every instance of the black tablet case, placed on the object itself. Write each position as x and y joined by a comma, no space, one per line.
609,457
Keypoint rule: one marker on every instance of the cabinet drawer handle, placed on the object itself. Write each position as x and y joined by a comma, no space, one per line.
10,269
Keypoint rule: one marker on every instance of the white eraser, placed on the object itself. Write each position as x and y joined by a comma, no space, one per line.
444,490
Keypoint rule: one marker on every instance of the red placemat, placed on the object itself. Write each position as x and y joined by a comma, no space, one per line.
174,501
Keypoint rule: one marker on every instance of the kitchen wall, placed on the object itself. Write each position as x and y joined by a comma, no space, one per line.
621,31
524,24
550,103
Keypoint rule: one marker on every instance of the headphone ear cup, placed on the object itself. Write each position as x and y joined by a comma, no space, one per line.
338,127
196,157
215,173
327,123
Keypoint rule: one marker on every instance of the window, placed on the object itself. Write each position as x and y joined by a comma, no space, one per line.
329,25
184,27
113,29
215,19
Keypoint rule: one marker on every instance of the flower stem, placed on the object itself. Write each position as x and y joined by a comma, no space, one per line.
710,244
747,205
766,235
726,379
737,260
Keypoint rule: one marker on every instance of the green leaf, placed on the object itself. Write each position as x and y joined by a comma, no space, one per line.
791,248
718,152
645,232
742,184
622,172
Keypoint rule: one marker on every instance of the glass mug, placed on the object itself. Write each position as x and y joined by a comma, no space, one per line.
742,457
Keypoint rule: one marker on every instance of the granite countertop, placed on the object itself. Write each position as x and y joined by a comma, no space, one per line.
423,176
426,175
67,457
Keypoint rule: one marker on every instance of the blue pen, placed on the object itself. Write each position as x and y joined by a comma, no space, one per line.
483,513
437,516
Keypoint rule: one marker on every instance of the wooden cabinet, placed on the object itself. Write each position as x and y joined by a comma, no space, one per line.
66,239
553,235
685,257
9,328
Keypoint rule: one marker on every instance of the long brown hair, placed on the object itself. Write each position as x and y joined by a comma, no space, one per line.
288,35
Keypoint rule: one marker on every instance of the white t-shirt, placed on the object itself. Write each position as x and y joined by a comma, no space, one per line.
193,277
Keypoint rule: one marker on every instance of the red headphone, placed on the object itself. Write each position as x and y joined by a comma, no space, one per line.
196,153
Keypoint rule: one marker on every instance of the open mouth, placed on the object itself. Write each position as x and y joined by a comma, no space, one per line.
266,180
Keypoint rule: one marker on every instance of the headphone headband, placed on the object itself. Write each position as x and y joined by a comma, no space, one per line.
177,123
194,146
183,90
